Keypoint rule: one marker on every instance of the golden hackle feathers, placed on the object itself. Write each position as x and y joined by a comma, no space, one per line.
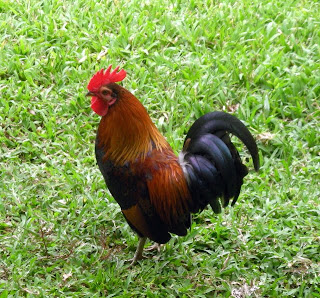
127,132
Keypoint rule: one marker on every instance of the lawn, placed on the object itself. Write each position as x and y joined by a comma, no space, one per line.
62,233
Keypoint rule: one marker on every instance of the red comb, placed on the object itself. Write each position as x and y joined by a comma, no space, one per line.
103,77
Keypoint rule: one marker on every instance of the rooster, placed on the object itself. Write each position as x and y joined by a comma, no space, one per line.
156,190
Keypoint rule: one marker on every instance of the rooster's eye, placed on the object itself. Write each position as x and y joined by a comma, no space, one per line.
105,92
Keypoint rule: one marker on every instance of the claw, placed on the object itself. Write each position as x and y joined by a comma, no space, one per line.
155,246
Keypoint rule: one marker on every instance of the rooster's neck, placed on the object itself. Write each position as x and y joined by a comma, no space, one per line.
127,133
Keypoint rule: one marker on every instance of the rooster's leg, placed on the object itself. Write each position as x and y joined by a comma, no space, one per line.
139,250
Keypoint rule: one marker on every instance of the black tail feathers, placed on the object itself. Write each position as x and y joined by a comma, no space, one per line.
211,162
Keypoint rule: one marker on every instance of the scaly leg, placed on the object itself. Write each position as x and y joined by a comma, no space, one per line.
139,250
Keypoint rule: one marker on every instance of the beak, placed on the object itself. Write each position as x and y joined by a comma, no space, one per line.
90,94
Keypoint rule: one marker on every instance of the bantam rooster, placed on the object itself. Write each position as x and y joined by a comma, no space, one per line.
156,190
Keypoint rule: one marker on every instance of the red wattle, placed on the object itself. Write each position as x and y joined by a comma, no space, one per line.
99,106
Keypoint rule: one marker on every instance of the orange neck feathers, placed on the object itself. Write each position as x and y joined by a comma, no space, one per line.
127,133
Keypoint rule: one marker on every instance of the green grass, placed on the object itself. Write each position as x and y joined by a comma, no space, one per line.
62,234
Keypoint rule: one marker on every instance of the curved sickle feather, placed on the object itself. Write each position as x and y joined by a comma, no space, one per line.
217,121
